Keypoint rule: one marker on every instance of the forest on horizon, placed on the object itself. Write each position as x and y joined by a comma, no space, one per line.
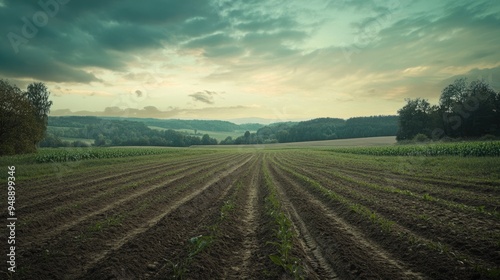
466,111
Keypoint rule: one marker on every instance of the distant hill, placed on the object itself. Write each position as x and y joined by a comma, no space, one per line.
118,132
72,121
321,129
262,120
175,132
205,125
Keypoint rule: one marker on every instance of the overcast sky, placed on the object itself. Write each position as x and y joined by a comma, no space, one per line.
222,59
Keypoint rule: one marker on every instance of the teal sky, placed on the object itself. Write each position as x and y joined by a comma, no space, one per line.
235,59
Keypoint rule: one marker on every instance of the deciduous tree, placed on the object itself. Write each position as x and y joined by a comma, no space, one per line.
19,127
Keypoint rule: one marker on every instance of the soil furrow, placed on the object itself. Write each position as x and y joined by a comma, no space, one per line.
100,178
439,261
469,196
417,219
93,268
316,258
258,214
476,186
100,209
92,242
365,259
90,192
248,226
75,176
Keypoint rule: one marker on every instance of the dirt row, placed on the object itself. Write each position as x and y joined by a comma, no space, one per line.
209,218
238,250
475,185
348,251
470,196
88,195
242,242
69,248
50,188
68,212
449,191
465,233
156,247
480,248
471,203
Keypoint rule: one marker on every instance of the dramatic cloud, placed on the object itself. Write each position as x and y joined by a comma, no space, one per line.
204,96
329,56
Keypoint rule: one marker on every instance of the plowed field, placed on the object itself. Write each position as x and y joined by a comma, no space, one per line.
264,214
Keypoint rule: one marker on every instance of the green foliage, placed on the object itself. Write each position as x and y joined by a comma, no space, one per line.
228,206
465,110
64,155
122,132
206,140
284,233
52,141
463,149
20,128
198,244
413,118
421,138
115,220
322,129
205,125
38,95
228,141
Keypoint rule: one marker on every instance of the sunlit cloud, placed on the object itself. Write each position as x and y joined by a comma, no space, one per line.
204,96
101,54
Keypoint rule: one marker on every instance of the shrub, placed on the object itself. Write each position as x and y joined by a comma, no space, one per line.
421,138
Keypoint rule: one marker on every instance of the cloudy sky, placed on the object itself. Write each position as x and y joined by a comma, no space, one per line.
225,59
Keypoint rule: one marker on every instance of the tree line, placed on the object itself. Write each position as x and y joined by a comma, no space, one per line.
319,129
23,117
205,125
466,110
109,132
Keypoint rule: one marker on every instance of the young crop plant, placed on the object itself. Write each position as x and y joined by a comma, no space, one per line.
64,155
464,149
108,222
426,196
284,233
385,224
198,244
201,242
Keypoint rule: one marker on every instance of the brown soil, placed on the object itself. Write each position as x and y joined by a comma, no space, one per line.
423,219
135,221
